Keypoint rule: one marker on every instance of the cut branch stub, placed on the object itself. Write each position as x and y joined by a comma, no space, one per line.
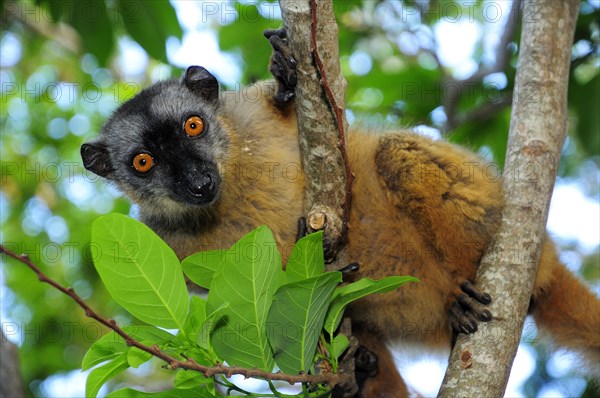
320,103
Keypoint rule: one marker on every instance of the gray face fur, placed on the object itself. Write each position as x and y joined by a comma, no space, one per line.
185,174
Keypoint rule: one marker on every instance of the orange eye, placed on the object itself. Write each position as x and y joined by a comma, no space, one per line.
194,126
143,162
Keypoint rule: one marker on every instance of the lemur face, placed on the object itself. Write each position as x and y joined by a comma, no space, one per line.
165,144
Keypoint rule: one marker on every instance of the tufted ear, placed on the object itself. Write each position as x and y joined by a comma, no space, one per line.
201,82
96,159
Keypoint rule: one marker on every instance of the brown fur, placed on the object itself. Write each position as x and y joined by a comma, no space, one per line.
386,382
565,309
420,207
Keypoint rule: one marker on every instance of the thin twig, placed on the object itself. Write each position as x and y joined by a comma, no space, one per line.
174,363
501,62
63,34
485,111
338,111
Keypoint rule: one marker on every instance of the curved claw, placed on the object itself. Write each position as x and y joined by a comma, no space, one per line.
470,305
461,321
348,272
350,268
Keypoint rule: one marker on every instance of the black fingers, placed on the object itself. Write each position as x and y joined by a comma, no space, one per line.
283,98
468,304
329,249
277,32
468,288
467,311
283,66
461,321
280,45
302,230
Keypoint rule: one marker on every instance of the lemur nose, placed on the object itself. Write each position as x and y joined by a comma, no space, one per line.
203,186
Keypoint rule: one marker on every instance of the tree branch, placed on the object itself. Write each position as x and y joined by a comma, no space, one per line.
339,114
11,382
485,111
312,34
320,106
330,379
502,59
480,365
60,32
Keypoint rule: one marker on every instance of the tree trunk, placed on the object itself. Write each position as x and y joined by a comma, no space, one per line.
11,384
320,105
480,363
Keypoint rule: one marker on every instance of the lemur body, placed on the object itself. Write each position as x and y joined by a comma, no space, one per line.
421,207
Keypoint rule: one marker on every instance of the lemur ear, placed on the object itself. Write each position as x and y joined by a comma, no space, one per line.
96,159
201,82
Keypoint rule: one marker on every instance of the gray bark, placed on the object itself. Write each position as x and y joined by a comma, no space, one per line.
11,384
322,160
320,108
480,363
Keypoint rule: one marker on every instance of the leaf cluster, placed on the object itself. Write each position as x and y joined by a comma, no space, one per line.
256,315
150,23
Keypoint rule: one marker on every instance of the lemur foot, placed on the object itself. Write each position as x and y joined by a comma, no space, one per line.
466,311
283,66
366,361
366,365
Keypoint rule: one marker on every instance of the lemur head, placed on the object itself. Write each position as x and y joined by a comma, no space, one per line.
163,147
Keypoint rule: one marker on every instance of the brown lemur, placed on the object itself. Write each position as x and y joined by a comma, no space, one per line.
207,166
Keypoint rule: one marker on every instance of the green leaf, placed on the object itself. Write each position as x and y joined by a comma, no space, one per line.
140,271
102,374
339,345
584,100
241,37
102,351
201,356
200,267
186,379
90,20
178,393
137,357
247,281
296,318
195,319
152,334
353,291
209,324
306,260
111,345
150,23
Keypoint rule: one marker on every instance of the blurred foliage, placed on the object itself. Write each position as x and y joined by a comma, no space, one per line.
62,73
